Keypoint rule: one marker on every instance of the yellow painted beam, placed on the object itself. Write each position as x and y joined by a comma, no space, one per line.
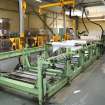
70,2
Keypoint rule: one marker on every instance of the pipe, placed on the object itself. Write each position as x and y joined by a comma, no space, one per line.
21,16
64,21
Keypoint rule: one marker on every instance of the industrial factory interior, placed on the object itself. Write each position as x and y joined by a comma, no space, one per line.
52,52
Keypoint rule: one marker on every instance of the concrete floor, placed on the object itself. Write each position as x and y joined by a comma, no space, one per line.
86,89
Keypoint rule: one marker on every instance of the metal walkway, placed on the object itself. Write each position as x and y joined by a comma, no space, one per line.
86,89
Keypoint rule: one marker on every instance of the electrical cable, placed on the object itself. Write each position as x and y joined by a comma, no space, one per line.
84,11
84,22
79,4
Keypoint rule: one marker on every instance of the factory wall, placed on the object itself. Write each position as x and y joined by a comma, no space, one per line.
35,22
6,8
8,4
58,23
32,22
91,26
14,20
9,9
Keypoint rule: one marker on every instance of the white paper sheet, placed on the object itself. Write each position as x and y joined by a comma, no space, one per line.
68,44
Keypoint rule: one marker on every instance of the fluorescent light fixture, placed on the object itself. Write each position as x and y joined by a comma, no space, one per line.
74,13
1,20
39,1
97,19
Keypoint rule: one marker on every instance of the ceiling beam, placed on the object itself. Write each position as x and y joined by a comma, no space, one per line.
90,4
9,10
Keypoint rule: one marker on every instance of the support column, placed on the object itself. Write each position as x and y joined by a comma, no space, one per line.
22,8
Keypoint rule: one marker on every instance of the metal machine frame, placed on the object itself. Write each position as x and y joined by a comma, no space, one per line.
50,78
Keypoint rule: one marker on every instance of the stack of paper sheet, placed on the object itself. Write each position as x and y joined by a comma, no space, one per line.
68,44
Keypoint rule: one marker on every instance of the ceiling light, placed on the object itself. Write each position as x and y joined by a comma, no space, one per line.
39,1
97,19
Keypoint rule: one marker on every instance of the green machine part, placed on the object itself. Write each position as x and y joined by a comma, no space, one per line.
50,78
